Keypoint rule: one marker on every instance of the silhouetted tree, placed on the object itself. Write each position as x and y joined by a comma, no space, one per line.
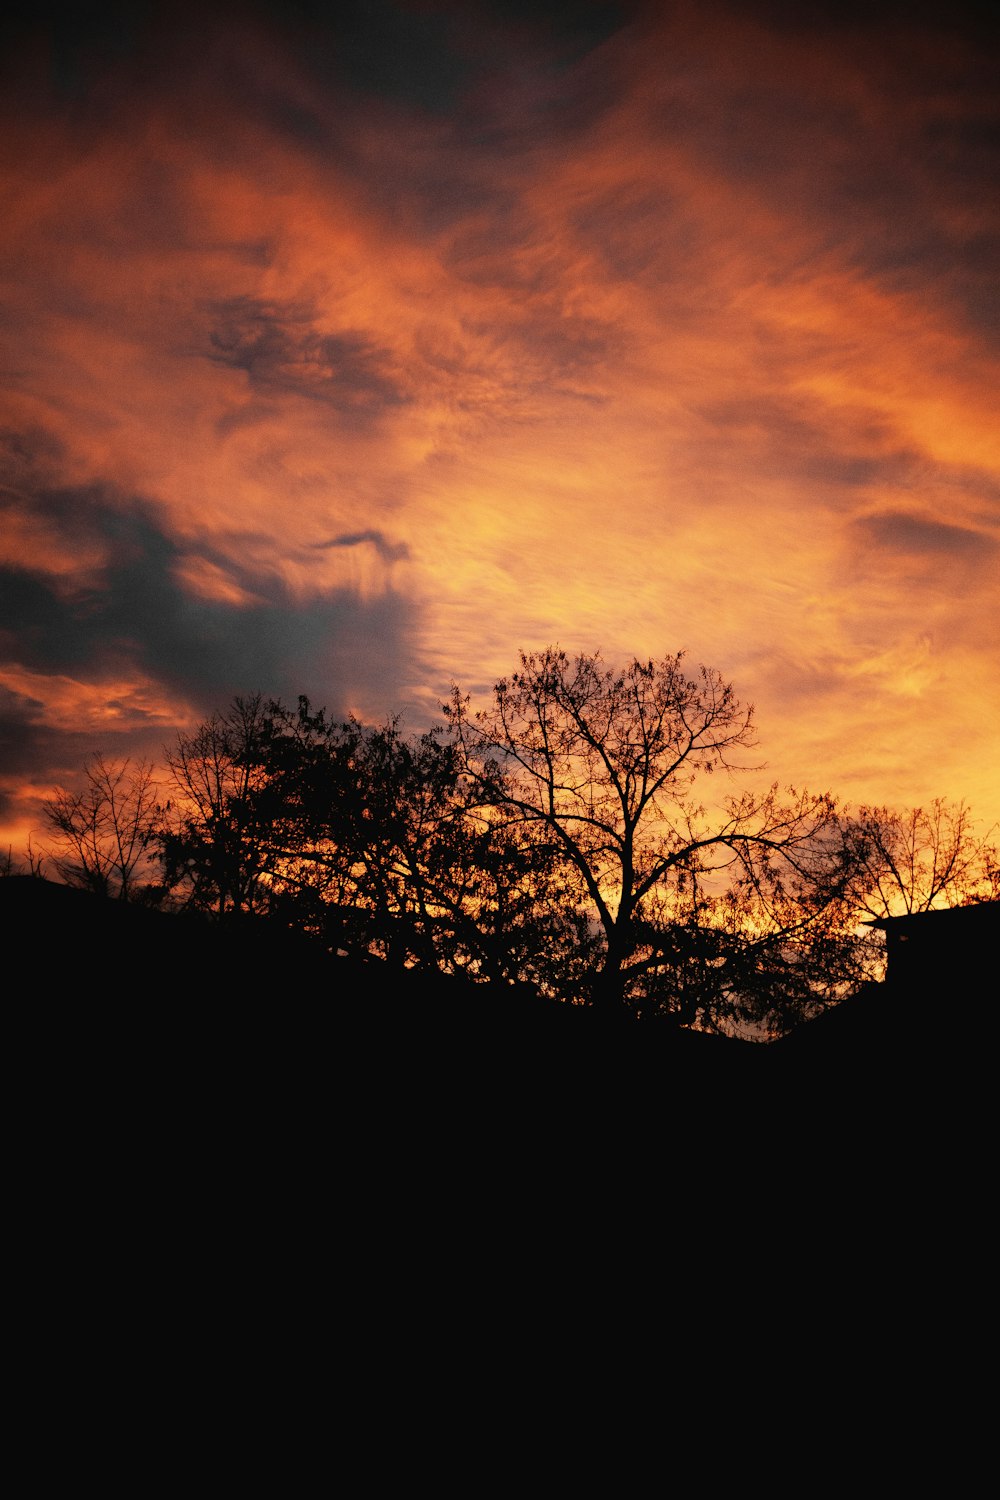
373,811
559,838
917,860
775,946
604,765
104,835
512,915
216,844
29,862
376,825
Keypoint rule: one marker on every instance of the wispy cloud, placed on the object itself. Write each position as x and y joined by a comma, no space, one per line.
350,357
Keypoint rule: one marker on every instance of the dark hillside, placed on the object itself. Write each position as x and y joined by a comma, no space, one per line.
111,987
116,974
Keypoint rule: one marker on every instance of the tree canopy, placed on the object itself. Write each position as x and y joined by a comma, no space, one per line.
610,768
105,833
600,835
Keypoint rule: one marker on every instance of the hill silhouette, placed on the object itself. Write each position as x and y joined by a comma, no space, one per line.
91,957
115,974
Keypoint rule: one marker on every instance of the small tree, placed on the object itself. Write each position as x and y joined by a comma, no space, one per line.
104,835
917,860
605,766
31,862
778,944
216,843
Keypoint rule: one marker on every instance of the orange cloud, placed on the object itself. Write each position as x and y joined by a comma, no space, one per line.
677,345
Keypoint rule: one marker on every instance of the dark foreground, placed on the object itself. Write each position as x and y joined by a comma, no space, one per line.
116,989
220,1150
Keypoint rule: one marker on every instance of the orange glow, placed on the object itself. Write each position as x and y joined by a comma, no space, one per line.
674,372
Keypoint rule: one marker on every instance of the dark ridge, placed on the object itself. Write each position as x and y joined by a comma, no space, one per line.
141,1020
89,962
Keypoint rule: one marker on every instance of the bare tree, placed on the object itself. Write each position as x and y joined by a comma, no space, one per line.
606,764
30,862
913,861
216,848
103,835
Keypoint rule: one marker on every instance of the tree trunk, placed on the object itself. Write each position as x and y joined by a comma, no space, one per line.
608,991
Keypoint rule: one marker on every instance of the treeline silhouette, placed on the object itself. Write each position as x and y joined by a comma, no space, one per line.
555,846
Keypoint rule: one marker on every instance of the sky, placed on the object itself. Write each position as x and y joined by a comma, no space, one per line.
351,356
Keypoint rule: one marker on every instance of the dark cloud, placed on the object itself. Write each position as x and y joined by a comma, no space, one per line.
36,752
903,533
283,353
382,48
428,56
389,552
794,437
33,619
861,17
21,735
876,129
72,45
131,612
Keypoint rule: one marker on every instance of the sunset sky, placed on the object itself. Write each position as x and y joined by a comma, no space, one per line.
349,356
